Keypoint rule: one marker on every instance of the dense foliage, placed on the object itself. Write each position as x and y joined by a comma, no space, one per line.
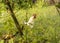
21,3
47,24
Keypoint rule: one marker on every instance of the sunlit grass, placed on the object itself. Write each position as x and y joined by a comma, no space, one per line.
46,23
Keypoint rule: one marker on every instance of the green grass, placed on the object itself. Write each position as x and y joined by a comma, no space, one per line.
47,24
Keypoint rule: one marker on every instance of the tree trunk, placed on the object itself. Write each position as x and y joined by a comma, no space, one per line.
14,17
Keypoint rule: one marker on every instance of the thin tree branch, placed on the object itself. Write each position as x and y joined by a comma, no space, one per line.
14,17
